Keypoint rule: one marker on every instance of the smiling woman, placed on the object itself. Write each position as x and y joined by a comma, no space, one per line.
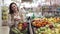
14,14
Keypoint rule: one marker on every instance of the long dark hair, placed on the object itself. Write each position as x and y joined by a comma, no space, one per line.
10,8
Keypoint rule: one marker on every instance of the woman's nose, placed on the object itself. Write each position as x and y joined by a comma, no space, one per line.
14,7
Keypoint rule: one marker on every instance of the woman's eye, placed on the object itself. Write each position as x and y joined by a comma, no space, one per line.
13,6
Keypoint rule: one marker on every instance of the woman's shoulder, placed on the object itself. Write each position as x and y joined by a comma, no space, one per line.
10,15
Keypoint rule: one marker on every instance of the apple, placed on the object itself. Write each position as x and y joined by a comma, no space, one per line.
36,32
39,33
51,26
24,26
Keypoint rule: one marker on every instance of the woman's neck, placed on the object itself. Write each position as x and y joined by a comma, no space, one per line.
15,11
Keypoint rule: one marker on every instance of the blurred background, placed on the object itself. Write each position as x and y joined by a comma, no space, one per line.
40,8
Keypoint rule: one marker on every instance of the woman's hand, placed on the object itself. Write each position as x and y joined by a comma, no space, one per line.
16,19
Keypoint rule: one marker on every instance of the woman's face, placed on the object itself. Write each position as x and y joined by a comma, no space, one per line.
14,7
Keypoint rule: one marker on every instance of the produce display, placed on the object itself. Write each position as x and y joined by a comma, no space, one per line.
46,25
48,29
39,22
21,29
4,13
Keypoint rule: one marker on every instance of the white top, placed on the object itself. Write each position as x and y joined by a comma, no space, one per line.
11,20
17,17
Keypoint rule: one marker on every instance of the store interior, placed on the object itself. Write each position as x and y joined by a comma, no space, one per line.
38,17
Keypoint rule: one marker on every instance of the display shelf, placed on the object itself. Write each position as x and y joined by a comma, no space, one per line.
51,10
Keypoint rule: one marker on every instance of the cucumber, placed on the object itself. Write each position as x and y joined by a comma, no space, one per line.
17,30
13,30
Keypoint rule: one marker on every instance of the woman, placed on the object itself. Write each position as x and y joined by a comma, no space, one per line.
14,16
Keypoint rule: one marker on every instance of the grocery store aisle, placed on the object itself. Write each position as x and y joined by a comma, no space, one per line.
4,30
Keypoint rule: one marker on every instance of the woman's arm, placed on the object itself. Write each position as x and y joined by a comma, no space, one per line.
10,20
20,14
